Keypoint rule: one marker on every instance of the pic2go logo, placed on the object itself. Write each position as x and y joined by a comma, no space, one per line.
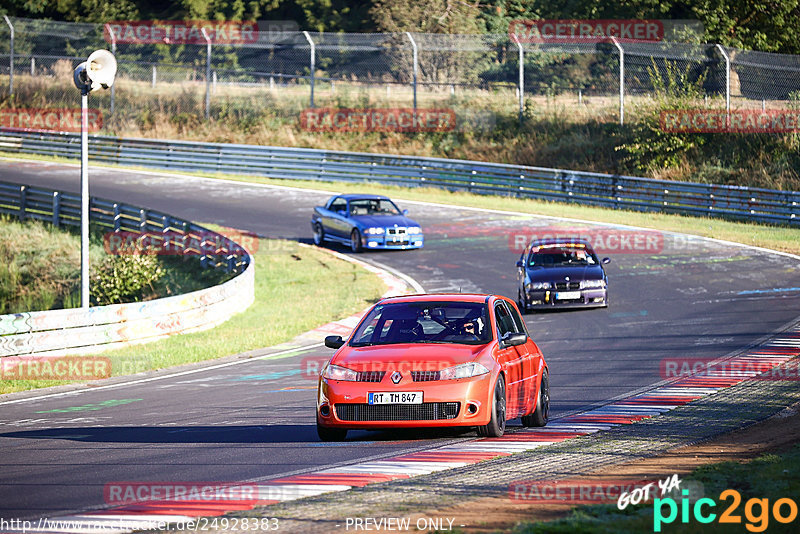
756,511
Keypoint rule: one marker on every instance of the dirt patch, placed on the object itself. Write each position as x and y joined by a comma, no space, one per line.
777,433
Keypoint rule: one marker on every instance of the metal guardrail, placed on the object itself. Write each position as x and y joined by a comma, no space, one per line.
612,191
78,330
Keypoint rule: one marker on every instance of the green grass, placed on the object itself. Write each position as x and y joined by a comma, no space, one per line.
771,476
296,289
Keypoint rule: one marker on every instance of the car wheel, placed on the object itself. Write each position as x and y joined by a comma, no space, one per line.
355,241
326,433
522,302
319,235
497,424
541,413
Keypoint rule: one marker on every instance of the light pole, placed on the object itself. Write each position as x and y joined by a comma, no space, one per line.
98,71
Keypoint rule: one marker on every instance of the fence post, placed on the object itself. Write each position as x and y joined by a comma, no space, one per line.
312,63
521,77
10,57
113,51
33,66
727,84
153,82
621,80
208,73
416,65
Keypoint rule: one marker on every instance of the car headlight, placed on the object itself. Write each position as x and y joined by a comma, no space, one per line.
335,372
374,231
539,285
592,284
465,370
413,230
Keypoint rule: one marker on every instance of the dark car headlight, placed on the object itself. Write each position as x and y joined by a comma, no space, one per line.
593,284
533,286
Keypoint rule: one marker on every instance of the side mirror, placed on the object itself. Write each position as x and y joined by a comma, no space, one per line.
334,342
520,264
512,339
405,212
606,261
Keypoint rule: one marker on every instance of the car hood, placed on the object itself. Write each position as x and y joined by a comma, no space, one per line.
575,273
407,356
384,220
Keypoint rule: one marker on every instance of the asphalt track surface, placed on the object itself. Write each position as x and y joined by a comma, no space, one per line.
253,421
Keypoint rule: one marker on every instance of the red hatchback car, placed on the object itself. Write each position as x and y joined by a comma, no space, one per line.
451,360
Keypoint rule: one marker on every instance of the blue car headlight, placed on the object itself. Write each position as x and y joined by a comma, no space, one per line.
413,230
374,231
538,285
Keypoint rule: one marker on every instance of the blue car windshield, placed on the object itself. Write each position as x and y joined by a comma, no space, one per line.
373,206
561,258
425,322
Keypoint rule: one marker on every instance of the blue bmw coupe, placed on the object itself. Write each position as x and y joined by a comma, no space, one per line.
365,222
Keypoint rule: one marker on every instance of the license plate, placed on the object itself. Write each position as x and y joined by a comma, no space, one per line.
568,295
398,397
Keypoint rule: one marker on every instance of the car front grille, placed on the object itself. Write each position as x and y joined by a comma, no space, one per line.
396,231
370,376
424,376
568,285
428,411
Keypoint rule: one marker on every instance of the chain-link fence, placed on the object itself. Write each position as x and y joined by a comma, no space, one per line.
288,71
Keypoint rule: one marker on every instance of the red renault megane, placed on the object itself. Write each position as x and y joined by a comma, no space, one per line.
434,360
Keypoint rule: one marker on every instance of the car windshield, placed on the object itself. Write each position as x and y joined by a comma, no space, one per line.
560,257
373,206
425,322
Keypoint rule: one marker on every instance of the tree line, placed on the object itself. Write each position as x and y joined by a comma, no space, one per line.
767,25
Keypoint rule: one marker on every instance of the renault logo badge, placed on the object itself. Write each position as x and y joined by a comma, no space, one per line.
396,377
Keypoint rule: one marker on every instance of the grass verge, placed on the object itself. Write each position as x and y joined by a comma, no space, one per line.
779,238
770,476
296,289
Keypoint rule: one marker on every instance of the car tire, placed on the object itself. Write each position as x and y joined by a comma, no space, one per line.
319,234
355,241
327,433
522,302
541,413
497,424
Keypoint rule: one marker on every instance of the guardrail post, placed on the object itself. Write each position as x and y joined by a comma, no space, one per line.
113,51
415,68
117,215
23,201
521,77
56,209
10,57
621,80
208,73
312,63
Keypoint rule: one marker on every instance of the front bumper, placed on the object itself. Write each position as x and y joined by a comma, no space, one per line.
549,299
336,400
387,242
